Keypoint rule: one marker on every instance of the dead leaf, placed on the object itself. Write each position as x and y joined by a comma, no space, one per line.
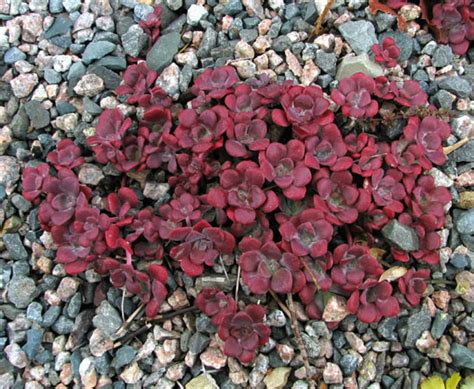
392,274
377,253
376,5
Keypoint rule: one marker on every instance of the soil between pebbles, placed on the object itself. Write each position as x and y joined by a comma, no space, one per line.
60,61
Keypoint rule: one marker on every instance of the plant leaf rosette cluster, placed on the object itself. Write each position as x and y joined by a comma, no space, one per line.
291,184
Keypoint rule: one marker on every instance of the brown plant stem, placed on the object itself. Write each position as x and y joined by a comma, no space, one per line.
126,324
280,304
442,282
299,340
154,320
320,20
449,149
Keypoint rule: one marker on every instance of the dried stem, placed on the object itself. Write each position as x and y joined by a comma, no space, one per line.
299,340
310,271
126,324
442,282
320,20
122,303
237,283
154,320
449,149
223,267
280,303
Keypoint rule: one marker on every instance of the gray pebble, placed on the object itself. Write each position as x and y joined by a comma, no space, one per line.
465,222
440,323
56,6
52,76
14,55
462,356
163,51
233,7
107,318
63,325
51,315
39,116
15,247
97,50
197,343
72,5
61,25
113,63
417,324
401,236
208,42
326,61
34,312
442,56
123,356
464,153
456,85
21,291
33,342
281,43
134,40
360,35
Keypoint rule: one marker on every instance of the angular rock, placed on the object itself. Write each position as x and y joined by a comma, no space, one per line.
134,40
195,14
462,356
417,324
401,236
457,85
39,117
277,378
163,51
97,50
465,223
15,247
360,63
21,291
360,35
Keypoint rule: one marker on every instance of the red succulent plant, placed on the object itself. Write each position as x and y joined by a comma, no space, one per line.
374,302
241,192
215,83
327,149
387,52
202,244
305,108
265,267
67,155
34,179
284,165
307,233
429,134
137,81
354,95
215,304
413,284
295,222
243,332
353,265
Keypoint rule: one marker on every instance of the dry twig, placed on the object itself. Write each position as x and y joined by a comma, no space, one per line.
320,20
126,324
449,149
280,303
299,339
154,320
